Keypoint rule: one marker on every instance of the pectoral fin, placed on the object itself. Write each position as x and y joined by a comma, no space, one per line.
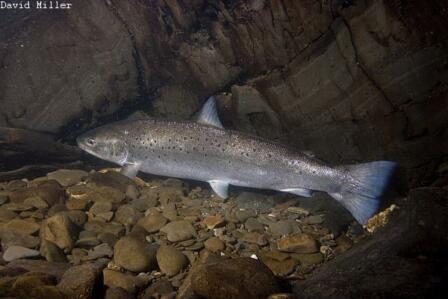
130,170
299,191
220,187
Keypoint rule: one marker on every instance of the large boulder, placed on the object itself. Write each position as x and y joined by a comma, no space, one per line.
404,259
74,63
233,279
134,254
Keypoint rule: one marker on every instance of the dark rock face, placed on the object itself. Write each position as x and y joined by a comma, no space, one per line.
237,278
405,259
82,60
349,82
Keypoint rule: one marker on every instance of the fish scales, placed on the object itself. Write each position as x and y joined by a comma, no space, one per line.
195,151
203,150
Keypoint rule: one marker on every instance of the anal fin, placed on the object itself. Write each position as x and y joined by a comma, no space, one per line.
299,191
221,188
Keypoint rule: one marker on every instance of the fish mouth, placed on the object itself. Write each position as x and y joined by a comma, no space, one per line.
89,151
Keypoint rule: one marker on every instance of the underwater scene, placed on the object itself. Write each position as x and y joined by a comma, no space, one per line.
223,149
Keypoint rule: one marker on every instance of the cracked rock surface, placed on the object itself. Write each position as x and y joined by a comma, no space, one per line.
364,78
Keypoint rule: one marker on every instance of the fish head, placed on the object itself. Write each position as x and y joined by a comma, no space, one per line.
106,143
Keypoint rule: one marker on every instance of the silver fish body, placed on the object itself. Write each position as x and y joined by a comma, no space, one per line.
205,151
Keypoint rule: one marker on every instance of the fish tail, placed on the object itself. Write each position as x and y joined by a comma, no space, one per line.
365,186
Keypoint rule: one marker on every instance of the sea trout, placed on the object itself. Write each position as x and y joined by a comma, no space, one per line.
203,150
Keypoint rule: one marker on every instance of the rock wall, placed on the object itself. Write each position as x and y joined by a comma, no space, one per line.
56,65
404,259
351,82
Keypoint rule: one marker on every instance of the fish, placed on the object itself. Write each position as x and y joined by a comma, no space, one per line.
204,150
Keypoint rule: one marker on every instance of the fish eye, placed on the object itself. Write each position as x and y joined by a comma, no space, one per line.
90,142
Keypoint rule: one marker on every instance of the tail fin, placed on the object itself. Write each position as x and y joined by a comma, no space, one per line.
364,187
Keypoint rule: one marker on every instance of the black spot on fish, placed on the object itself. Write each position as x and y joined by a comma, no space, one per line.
255,150
185,138
269,155
169,140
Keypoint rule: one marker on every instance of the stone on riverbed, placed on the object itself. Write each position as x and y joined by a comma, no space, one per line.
212,222
234,279
81,282
298,243
100,207
214,244
179,231
60,230
111,179
37,202
99,227
134,255
253,225
6,215
127,215
51,252
128,282
21,226
10,238
170,260
283,228
152,223
15,252
67,177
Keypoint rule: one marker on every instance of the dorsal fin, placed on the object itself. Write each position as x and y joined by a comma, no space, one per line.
208,114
